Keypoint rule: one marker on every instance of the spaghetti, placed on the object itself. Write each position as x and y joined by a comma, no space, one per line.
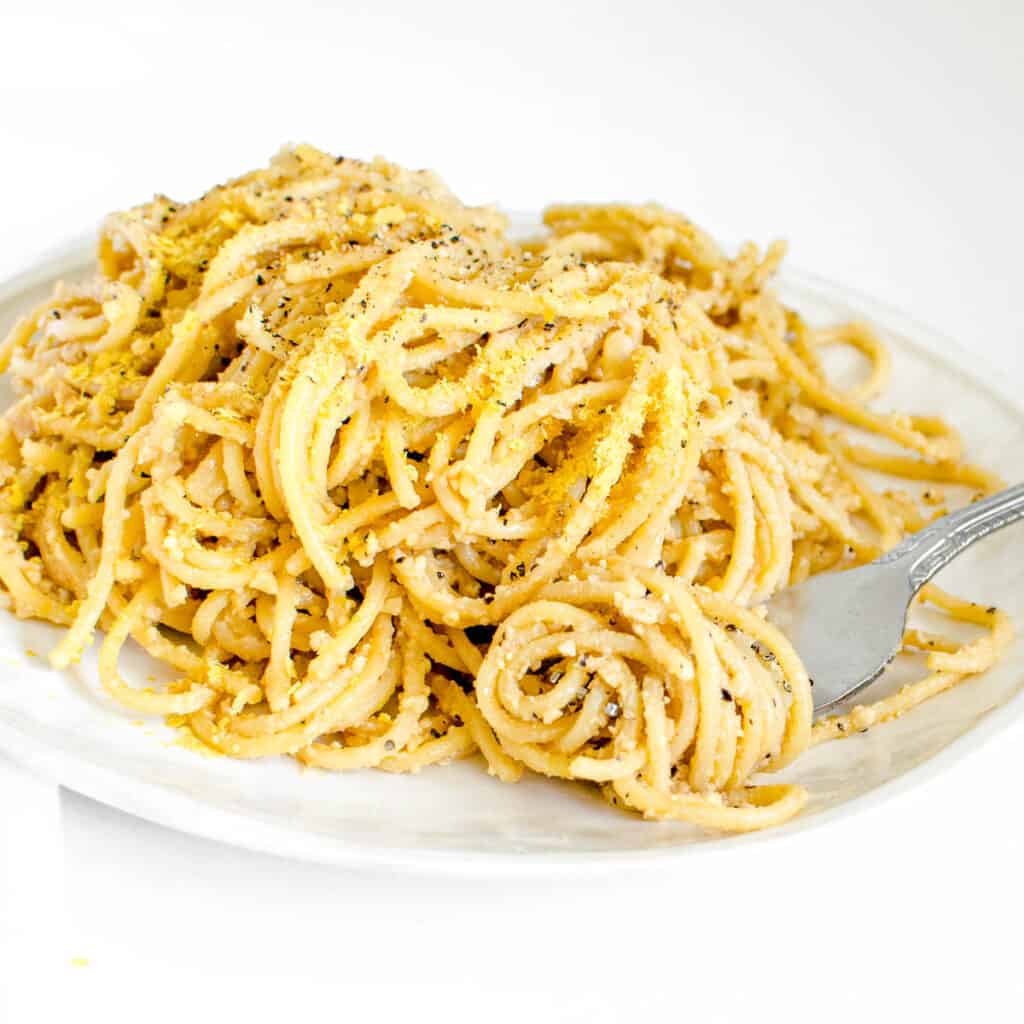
386,488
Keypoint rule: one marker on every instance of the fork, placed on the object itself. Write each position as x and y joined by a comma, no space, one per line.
847,626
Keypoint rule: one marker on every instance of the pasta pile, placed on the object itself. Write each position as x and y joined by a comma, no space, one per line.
386,487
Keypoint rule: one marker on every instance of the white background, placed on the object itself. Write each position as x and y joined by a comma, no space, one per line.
884,140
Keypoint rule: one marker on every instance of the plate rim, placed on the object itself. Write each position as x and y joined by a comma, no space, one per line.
192,815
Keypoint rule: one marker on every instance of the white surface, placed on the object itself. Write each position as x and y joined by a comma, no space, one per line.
461,822
883,140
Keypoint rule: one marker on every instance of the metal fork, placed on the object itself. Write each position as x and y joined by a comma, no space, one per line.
847,626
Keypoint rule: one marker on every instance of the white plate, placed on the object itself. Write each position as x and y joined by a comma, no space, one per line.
456,818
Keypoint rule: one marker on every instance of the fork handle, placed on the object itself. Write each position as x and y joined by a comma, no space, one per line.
927,551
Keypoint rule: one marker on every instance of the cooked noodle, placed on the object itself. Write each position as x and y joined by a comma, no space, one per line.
386,488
